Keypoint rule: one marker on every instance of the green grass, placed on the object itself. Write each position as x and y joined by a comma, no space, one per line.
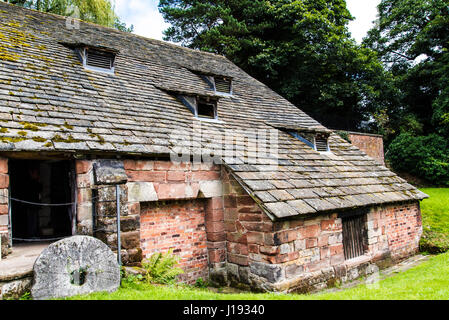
435,213
428,281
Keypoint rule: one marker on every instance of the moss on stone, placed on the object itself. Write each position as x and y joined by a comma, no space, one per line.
68,126
31,127
39,139
11,139
70,139
22,133
100,138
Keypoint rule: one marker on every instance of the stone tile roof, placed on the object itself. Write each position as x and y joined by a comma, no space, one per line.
49,102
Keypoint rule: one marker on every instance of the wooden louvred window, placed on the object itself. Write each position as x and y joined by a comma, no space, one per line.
353,236
321,144
102,61
223,85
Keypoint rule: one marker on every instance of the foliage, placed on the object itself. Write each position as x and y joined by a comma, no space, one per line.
96,11
132,279
423,156
201,283
344,135
301,49
435,214
26,296
411,38
160,268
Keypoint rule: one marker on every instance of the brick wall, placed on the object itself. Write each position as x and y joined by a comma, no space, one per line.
181,226
306,254
182,196
4,184
372,145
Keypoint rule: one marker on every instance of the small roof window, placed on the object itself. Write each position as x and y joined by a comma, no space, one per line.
206,109
317,141
223,85
321,144
220,84
97,60
203,108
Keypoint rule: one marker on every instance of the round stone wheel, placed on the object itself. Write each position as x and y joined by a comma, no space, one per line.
75,265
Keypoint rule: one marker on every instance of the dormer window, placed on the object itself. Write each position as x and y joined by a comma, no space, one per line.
97,60
206,109
223,85
321,144
316,141
203,108
220,84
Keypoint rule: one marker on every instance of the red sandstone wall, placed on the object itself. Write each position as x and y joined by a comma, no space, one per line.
372,145
303,246
4,184
178,225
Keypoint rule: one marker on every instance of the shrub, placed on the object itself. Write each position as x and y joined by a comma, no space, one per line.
344,135
160,268
424,156
201,283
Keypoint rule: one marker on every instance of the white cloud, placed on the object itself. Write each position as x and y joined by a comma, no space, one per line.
364,12
144,15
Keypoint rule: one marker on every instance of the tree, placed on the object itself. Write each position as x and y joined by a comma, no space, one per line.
412,39
96,11
301,49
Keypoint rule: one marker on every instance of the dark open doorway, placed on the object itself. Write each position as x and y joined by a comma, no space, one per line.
41,182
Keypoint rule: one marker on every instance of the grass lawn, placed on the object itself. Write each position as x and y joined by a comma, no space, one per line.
435,213
429,281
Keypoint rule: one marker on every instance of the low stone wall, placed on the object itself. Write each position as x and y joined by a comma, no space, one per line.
306,254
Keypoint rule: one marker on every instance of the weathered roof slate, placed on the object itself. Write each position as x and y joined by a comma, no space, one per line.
49,102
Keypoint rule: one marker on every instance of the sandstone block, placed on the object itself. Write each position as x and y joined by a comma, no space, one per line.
141,192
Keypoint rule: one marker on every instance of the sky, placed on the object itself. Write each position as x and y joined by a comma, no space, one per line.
148,22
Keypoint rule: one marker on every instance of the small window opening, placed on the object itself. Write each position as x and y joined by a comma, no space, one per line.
223,85
206,109
321,144
99,60
353,236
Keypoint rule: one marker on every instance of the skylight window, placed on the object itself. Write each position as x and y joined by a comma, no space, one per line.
96,60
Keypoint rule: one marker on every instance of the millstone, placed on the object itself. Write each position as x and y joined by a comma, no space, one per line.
75,265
